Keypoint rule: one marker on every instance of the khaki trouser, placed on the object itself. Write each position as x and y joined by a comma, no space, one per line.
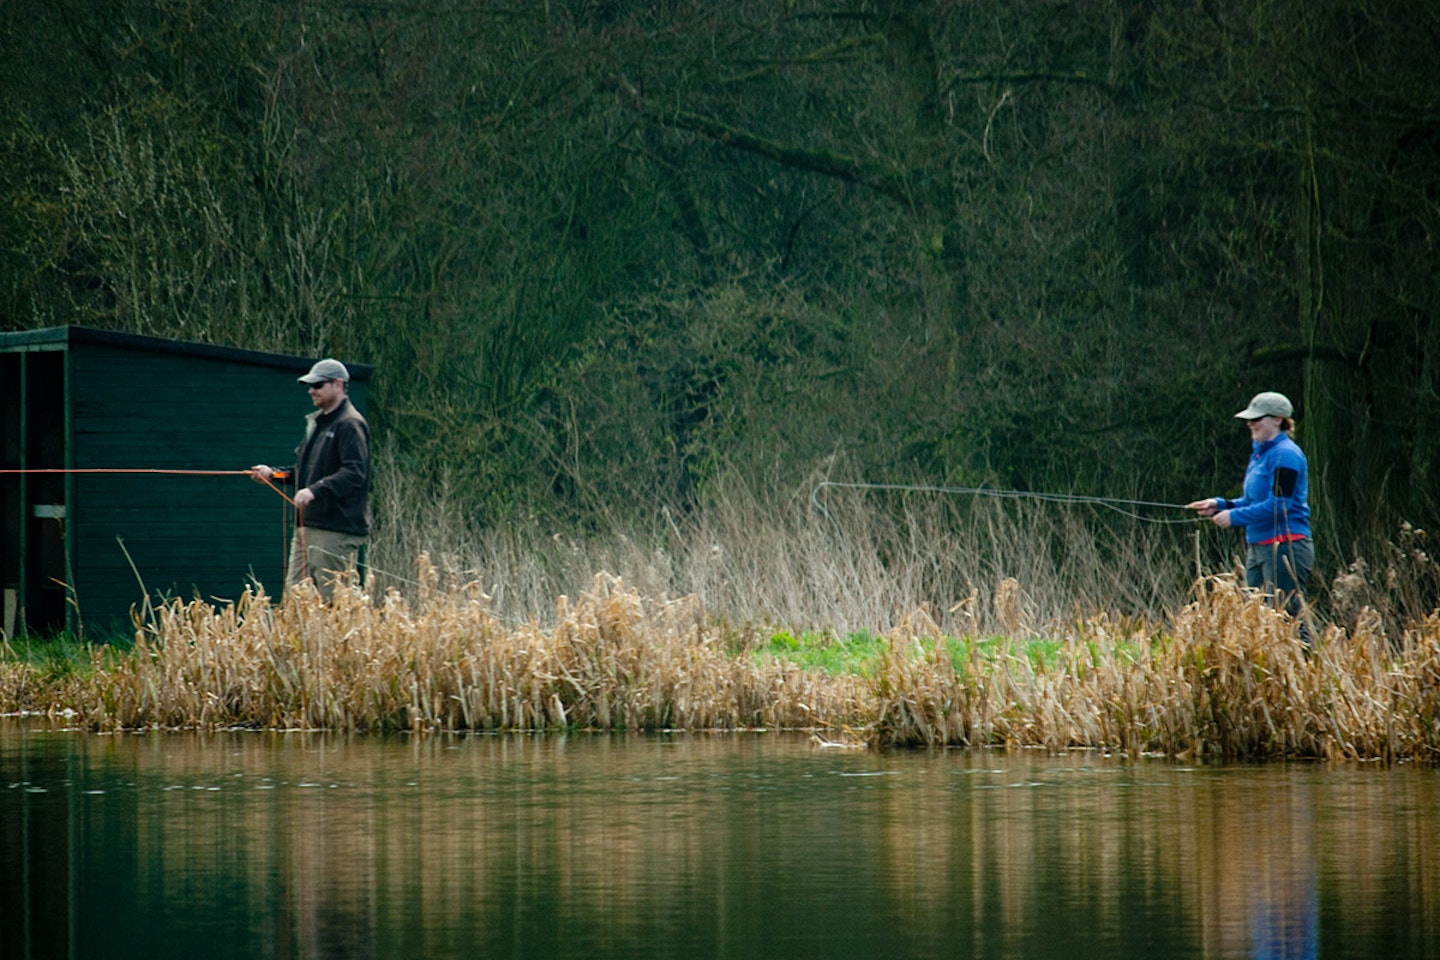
323,556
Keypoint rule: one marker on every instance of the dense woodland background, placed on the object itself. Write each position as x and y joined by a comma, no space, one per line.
609,257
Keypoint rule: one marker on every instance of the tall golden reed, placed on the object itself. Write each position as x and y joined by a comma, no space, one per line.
1226,677
612,661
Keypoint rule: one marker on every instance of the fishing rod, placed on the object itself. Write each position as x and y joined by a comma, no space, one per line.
1116,504
278,474
159,471
267,481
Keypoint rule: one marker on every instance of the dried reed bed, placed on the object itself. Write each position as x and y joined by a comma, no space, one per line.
1227,677
1223,676
613,660
21,686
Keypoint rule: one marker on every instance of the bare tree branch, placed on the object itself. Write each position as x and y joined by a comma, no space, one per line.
885,181
1028,76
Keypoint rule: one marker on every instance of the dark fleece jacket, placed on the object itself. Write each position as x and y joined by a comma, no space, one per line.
334,462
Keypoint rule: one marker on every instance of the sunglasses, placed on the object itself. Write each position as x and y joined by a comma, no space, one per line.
317,385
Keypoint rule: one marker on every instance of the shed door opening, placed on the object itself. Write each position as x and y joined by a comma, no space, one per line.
32,527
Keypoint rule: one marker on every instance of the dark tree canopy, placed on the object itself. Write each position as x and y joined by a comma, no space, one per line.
609,253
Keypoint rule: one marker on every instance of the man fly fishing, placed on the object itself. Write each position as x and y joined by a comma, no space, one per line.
332,480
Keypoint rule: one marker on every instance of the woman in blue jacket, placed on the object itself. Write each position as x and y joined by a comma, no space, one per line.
1272,507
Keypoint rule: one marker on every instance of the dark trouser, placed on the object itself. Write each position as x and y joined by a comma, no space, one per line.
1282,569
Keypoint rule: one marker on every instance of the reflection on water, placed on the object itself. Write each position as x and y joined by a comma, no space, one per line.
737,846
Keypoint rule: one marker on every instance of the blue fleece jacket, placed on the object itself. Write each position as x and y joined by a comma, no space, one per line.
1274,500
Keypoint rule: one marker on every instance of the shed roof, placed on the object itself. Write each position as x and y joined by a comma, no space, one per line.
55,337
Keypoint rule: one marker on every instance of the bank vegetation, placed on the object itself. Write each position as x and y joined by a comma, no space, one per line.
1206,670
636,279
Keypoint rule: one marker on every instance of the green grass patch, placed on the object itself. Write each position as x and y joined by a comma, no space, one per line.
855,653
1039,651
52,658
56,658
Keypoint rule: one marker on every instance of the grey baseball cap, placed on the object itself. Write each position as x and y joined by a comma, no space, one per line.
326,369
1267,405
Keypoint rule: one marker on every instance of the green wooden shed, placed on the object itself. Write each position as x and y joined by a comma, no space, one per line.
85,545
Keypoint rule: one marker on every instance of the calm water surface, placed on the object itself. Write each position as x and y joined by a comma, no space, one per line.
737,846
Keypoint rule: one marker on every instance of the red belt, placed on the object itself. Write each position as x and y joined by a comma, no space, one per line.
1283,538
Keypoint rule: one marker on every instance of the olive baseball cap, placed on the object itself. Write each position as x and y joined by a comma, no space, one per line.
1267,405
326,369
